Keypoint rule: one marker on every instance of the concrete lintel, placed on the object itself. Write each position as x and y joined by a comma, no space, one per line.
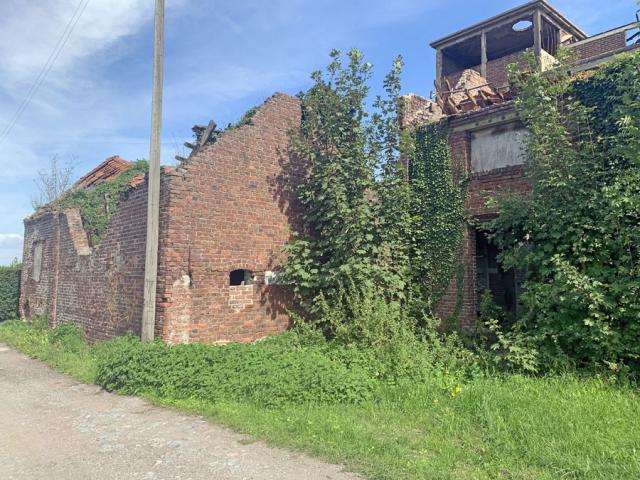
490,120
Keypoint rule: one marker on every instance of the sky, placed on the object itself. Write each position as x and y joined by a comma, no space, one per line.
222,57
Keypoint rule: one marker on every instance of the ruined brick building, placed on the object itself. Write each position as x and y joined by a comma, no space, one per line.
225,212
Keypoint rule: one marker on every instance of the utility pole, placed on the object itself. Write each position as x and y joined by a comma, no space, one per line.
153,202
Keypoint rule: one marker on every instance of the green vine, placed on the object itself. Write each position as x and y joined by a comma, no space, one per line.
98,204
577,233
437,210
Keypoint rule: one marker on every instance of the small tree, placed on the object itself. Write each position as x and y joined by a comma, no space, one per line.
368,231
53,181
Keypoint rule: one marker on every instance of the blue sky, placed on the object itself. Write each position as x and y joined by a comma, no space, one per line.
222,57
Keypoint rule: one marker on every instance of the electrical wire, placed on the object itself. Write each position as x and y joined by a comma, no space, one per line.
46,68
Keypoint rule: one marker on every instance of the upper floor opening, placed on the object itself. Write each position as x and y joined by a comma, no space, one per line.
489,46
471,63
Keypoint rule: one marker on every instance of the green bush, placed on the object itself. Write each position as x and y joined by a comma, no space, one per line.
271,373
9,291
576,233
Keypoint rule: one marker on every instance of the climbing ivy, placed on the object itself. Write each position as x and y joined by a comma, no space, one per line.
437,212
98,204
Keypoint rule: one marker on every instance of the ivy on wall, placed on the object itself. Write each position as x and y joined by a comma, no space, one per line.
98,204
437,211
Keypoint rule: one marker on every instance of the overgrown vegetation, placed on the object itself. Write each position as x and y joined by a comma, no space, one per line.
366,230
368,378
446,425
98,204
9,290
577,235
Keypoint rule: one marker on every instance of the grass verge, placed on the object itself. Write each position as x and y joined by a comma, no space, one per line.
486,427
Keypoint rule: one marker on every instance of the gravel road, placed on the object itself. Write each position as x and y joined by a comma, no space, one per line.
52,427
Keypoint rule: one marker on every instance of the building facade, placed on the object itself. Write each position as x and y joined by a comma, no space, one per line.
228,209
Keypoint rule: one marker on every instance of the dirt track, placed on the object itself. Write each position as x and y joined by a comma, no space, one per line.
52,427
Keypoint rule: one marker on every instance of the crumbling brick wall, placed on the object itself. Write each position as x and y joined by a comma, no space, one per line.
99,289
229,206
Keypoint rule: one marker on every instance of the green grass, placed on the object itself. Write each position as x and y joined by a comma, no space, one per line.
495,427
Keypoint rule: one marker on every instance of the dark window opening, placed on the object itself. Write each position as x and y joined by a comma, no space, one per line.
241,277
504,285
550,36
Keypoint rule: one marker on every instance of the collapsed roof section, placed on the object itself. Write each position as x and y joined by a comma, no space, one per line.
105,172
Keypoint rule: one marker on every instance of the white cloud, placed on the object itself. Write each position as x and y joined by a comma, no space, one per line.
10,239
10,247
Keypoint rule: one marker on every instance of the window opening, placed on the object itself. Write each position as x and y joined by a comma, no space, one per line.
241,277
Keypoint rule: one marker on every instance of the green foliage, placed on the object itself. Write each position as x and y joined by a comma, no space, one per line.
63,347
271,373
244,120
9,291
367,220
437,213
339,241
507,349
98,204
577,233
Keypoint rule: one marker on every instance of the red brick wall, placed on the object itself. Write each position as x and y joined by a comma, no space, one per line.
461,299
496,69
592,48
490,185
37,297
228,207
99,289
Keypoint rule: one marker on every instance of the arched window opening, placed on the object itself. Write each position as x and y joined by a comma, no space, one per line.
241,277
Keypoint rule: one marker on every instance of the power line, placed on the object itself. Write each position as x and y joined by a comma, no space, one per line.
46,68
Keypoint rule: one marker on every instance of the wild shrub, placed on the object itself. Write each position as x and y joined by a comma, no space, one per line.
9,291
380,209
268,373
576,234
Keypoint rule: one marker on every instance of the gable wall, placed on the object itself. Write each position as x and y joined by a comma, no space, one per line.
228,208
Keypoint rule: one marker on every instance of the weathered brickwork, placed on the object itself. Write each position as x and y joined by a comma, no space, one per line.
100,289
229,208
460,299
598,46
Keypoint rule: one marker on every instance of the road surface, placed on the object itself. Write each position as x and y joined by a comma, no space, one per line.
52,427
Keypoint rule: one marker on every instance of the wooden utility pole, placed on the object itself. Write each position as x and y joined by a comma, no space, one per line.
483,54
153,202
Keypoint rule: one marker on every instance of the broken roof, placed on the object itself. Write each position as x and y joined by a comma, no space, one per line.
513,15
105,172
